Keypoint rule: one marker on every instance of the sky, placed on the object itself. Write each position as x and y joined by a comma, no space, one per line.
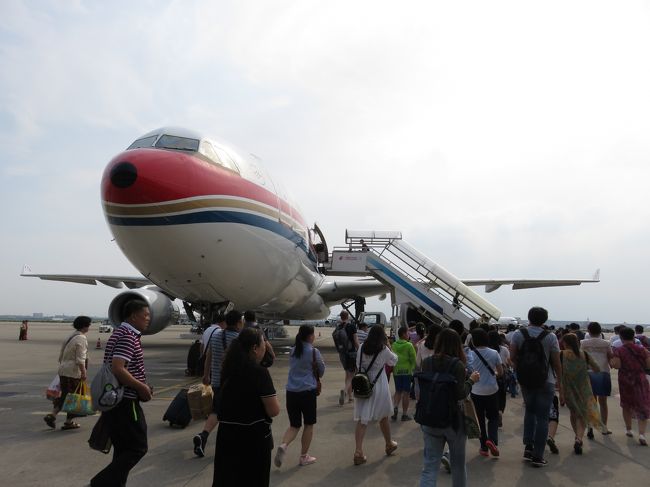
504,139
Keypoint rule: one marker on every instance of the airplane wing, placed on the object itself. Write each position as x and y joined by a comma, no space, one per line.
494,284
117,282
333,292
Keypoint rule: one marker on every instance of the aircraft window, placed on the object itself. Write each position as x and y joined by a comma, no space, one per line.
177,143
226,160
145,142
208,151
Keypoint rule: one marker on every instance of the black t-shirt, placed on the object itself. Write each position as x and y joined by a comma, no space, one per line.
242,394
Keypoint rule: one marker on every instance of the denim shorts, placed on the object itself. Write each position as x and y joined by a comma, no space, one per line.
403,382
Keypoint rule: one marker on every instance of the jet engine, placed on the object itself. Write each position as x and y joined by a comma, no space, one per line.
164,311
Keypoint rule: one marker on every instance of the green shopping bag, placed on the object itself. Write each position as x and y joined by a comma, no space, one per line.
79,402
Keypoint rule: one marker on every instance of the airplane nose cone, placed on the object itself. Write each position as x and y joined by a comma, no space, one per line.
124,174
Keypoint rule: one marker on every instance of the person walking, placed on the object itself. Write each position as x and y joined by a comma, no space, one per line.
485,393
248,402
576,390
403,372
535,353
24,327
448,356
372,358
216,348
632,361
347,344
306,367
73,366
601,382
126,421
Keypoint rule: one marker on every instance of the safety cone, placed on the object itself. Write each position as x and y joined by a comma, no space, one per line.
99,344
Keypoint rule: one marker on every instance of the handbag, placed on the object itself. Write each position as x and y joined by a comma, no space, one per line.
79,402
472,429
100,437
106,390
53,391
314,368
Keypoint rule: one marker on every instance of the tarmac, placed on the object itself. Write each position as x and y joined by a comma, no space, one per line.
35,455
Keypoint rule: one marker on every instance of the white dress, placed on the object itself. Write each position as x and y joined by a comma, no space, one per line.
380,404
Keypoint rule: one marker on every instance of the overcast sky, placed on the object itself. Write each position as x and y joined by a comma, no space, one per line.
504,139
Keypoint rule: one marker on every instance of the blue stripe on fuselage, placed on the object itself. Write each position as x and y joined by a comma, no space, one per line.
216,216
410,288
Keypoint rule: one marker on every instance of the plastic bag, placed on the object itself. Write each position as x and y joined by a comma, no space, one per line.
53,391
79,402
199,397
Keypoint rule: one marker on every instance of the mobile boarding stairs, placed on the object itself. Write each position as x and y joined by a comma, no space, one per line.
414,279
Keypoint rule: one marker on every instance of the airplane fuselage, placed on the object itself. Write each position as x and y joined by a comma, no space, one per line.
208,225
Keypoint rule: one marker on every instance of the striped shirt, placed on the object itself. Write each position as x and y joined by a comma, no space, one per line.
218,353
125,343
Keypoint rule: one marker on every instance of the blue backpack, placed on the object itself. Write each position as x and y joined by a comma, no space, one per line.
437,406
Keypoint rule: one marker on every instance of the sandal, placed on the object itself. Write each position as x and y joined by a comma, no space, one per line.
50,420
359,458
391,448
70,426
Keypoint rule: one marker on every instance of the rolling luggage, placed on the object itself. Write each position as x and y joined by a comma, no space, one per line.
178,413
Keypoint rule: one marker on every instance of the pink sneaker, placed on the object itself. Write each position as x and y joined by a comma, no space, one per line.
307,460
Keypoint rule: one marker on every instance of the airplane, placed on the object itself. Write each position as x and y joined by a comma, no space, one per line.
205,223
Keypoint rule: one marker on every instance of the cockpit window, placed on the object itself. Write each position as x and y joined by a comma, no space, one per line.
217,155
177,143
145,142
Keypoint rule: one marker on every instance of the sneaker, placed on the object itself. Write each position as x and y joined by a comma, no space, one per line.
445,462
484,453
199,446
629,434
492,447
306,460
538,462
590,433
342,398
406,417
606,431
528,453
552,446
279,456
394,416
642,440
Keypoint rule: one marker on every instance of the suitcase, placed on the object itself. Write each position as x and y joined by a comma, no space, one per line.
194,362
178,413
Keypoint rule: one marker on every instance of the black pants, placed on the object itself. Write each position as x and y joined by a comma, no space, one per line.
129,437
487,407
242,457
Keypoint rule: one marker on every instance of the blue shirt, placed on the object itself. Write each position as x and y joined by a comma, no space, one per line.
487,384
301,374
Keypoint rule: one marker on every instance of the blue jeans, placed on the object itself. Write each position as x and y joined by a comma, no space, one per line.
538,405
434,445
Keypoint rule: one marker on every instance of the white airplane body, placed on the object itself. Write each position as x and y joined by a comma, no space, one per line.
209,226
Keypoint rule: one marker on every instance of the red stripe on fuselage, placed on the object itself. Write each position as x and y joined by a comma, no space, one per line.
169,175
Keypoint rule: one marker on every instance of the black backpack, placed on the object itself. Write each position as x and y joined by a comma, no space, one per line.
362,386
341,339
532,363
437,406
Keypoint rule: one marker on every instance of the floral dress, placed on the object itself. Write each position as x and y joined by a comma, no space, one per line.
578,395
632,383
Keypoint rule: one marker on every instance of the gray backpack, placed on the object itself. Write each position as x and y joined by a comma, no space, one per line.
105,389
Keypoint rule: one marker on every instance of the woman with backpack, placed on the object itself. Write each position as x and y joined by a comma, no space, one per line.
576,390
372,357
306,367
448,357
485,393
633,362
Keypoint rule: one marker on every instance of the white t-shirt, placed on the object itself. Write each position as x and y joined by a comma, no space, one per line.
598,349
487,384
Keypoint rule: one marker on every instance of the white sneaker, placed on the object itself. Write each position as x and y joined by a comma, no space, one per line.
307,459
279,456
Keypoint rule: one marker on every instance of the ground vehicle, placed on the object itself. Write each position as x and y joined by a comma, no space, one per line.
105,327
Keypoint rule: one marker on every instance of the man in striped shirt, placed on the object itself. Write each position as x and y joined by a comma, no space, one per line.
216,351
126,421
